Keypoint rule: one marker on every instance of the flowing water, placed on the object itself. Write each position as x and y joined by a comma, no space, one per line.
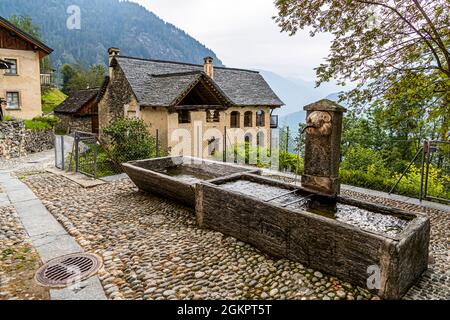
187,175
364,219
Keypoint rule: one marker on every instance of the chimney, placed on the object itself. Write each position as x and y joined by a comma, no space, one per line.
112,52
208,67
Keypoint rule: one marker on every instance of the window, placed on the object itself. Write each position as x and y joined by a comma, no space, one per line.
12,100
12,68
260,121
184,116
248,119
235,119
212,116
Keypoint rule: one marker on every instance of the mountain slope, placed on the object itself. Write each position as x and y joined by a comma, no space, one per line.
107,23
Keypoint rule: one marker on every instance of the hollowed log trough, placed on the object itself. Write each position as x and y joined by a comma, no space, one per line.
387,264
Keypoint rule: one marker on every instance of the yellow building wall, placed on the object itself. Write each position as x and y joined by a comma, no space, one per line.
156,118
27,82
181,138
198,126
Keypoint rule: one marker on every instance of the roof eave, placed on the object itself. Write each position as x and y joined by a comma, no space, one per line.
43,49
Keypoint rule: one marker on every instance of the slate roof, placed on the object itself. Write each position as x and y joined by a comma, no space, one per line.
159,83
76,101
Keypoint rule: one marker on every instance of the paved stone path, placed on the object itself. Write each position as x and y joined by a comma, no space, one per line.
47,235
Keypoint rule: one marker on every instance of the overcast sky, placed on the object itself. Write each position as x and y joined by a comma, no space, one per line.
243,34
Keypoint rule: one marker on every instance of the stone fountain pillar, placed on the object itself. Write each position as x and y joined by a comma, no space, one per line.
323,147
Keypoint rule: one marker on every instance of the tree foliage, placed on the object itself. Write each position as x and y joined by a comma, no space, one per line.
77,77
130,140
395,51
25,23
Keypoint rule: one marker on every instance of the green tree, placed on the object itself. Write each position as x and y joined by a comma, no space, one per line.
377,44
130,140
26,24
76,77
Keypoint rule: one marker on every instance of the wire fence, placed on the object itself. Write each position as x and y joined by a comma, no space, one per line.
85,153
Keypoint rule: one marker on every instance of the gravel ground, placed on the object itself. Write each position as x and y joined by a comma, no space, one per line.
18,260
435,283
153,249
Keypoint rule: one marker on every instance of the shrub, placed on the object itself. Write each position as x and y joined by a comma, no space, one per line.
246,153
291,162
130,140
362,159
369,180
409,185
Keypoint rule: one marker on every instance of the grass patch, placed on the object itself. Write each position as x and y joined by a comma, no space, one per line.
7,118
105,166
51,98
41,123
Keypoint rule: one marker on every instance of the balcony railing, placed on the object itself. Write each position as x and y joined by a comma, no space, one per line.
274,121
46,79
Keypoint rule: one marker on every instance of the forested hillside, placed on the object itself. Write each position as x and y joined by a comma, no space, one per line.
106,23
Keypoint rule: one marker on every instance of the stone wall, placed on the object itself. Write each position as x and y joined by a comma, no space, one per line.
16,141
69,123
117,95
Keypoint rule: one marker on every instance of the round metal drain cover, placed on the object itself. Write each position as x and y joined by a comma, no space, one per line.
68,270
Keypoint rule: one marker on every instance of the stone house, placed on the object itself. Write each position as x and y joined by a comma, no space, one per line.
215,103
78,112
20,84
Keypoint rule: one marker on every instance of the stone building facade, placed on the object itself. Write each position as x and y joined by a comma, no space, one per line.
78,112
197,105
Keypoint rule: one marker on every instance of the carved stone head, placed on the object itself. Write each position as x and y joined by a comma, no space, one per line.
319,123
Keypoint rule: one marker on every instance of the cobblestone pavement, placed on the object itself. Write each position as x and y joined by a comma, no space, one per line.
435,283
153,249
18,260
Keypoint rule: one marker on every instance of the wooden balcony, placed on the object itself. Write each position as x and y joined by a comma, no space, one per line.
273,121
46,79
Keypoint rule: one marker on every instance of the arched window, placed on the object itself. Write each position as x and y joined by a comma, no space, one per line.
235,119
248,119
260,118
260,139
248,143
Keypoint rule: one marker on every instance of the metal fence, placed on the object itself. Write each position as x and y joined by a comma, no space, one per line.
83,152
436,154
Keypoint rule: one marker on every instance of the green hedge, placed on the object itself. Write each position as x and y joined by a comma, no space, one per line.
438,184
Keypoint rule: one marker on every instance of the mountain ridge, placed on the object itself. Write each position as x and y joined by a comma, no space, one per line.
126,25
